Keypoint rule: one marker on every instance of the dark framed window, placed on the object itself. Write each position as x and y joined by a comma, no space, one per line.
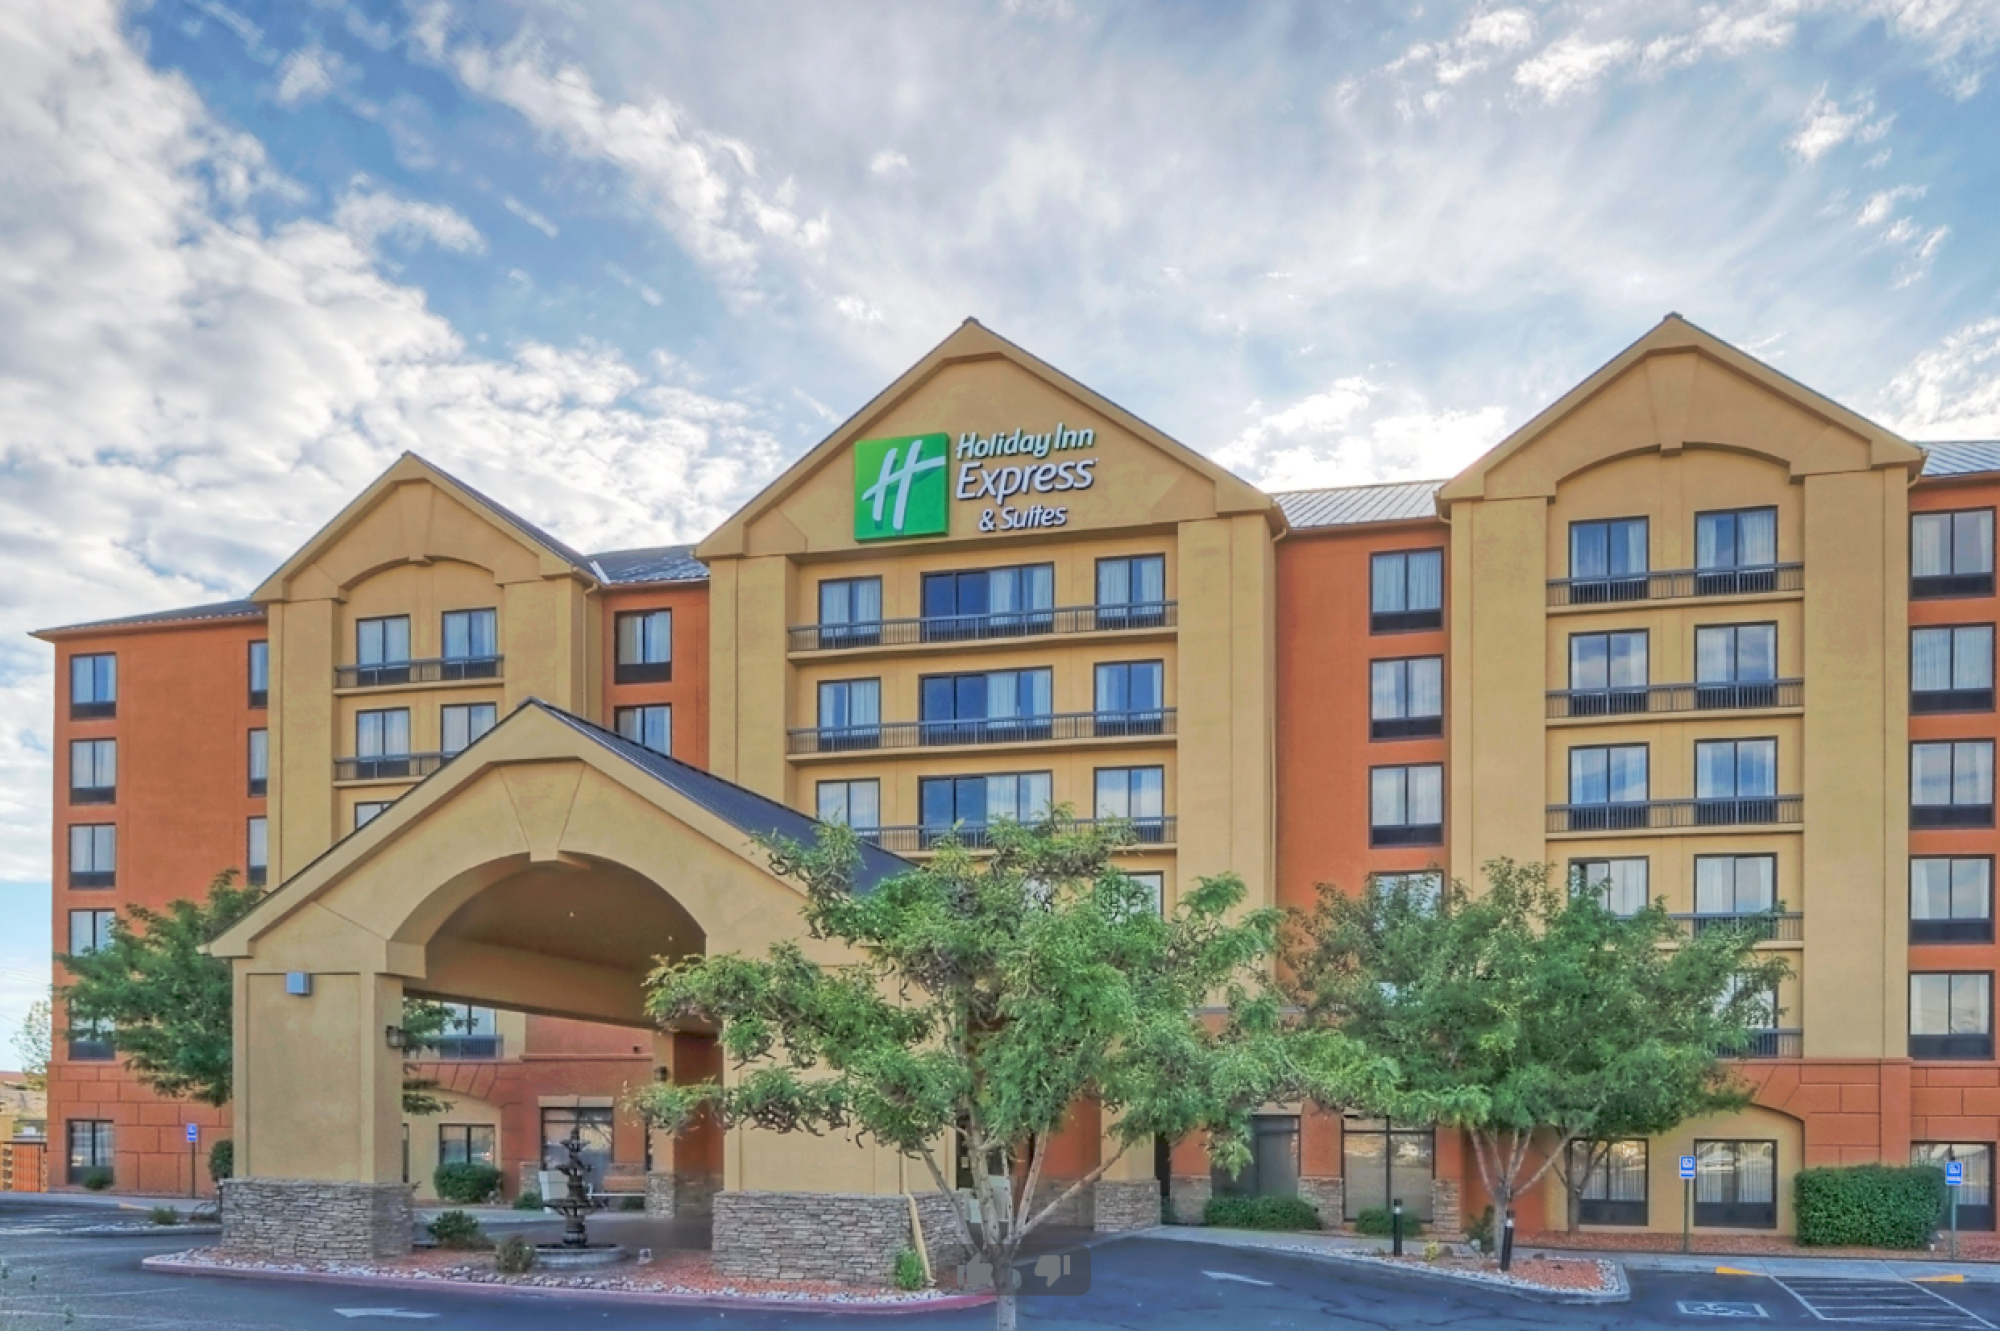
1613,1175
93,855
1736,665
1129,698
850,714
1621,884
1951,899
651,726
1383,1161
1735,781
1608,672
90,1144
1608,787
258,762
1132,592
1155,884
855,804
93,686
645,647
382,650
850,612
260,673
367,811
257,851
382,743
1425,885
459,724
93,771
1975,1195
992,705
472,1034
1951,1014
989,602
1406,698
1736,551
90,931
1736,1184
471,641
1735,885
1136,794
592,1124
1951,783
1406,805
1951,669
1951,554
90,1042
467,1144
972,803
1273,1170
1607,560
1405,591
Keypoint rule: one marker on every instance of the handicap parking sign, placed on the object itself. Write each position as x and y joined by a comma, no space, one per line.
1687,1166
1954,1173
194,1133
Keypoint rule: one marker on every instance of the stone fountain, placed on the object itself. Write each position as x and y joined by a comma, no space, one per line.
576,1249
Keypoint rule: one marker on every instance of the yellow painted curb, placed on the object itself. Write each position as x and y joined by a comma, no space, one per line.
1953,1279
1733,1271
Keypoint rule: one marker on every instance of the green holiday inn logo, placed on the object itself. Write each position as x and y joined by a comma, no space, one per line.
901,487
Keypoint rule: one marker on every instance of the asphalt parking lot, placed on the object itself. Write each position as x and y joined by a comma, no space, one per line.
57,1278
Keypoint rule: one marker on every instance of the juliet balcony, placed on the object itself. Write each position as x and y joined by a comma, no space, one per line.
1669,815
1148,833
388,766
1127,617
435,670
1677,584
1054,727
1765,927
1658,699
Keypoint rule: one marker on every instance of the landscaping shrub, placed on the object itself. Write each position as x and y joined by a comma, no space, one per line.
222,1160
633,1202
164,1215
528,1201
465,1182
97,1180
458,1229
1869,1206
1379,1221
514,1257
1228,1212
1480,1232
909,1269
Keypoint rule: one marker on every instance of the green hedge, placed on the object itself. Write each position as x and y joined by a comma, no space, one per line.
464,1182
1230,1212
1380,1222
1869,1206
222,1159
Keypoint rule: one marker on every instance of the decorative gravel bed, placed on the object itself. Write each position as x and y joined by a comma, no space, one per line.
685,1275
1973,1247
1582,1278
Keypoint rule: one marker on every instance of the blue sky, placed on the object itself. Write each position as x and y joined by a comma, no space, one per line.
617,262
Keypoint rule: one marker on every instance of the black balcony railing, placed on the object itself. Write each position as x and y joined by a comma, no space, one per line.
1646,699
1651,815
463,1048
1775,1044
93,878
1952,1046
995,624
93,794
1407,834
1055,726
1951,815
642,672
1951,584
1767,926
1952,931
977,836
91,1051
390,674
1405,727
1951,700
1675,584
388,767
92,711
1405,621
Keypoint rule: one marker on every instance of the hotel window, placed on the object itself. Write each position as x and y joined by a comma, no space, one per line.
1736,665
1620,884
1607,560
90,1148
1406,805
997,705
93,687
1951,554
1155,885
1423,885
260,674
1975,1195
1951,899
592,1125
90,1042
382,743
651,727
1406,591
465,1144
260,762
1951,784
1736,551
257,857
1736,781
1381,1162
1613,1175
93,855
459,724
1136,794
90,931
1729,886
93,771
1951,1015
850,612
1129,698
850,714
855,804
1406,698
367,811
645,647
1132,592
382,650
975,802
471,644
1951,669
1608,673
989,602
1736,1184
469,1033
1608,788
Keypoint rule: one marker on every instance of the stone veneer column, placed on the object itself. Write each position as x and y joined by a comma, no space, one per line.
1189,1194
1328,1196
1446,1222
681,1194
849,1238
1125,1204
294,1219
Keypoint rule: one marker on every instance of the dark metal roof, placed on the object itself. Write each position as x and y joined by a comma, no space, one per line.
741,808
189,615
1351,505
659,563
1961,457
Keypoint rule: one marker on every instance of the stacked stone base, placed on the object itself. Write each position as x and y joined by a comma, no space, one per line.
681,1196
1125,1204
1189,1194
1328,1196
1447,1218
296,1219
1076,1213
846,1238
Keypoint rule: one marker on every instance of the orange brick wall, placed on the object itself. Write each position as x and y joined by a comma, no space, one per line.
687,692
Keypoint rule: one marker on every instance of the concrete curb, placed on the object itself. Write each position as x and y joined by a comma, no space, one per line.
162,1266
137,1231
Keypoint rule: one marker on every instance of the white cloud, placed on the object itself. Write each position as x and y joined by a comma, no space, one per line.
531,217
888,162
1357,431
368,215
1571,65
1951,390
310,73
1827,124
1878,207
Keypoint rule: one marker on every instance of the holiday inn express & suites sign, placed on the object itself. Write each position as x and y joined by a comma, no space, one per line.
905,486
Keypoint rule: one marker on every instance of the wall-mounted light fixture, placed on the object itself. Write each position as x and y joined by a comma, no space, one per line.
299,984
395,1036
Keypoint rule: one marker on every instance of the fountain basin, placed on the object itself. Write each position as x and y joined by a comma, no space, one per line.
557,1257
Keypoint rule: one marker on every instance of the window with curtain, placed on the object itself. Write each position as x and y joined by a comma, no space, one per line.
93,771
1951,783
382,650
466,1144
257,851
1130,697
1608,673
259,761
93,855
1951,899
90,1146
991,705
651,726
850,612
1608,787
1975,1195
1951,1014
976,802
645,647
1608,560
90,930
1132,592
850,714
260,673
367,811
1951,554
93,686
1736,781
1736,1184
1621,884
1736,665
1744,538
382,734
1951,669
1732,885
1406,591
459,724
1406,805
989,602
471,644
1138,794
1425,885
1406,698
1613,1175
855,804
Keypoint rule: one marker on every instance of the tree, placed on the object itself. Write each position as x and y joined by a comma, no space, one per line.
163,1003
34,1042
1544,1018
989,996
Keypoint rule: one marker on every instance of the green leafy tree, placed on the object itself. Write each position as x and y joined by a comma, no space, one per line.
989,996
1539,1017
34,1042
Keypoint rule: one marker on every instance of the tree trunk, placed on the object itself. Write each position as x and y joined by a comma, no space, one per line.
1005,1309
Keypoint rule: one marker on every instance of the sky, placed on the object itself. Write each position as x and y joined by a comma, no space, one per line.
618,262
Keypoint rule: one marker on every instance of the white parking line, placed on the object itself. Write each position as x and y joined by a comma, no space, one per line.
1880,1303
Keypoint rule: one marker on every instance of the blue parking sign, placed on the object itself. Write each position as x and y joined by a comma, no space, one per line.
194,1134
1687,1166
1954,1173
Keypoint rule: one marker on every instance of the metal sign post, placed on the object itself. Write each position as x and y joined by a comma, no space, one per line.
194,1142
1687,1203
1954,1179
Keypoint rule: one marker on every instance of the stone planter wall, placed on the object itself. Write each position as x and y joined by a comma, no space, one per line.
290,1219
1190,1194
846,1237
1124,1204
1328,1196
1078,1212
